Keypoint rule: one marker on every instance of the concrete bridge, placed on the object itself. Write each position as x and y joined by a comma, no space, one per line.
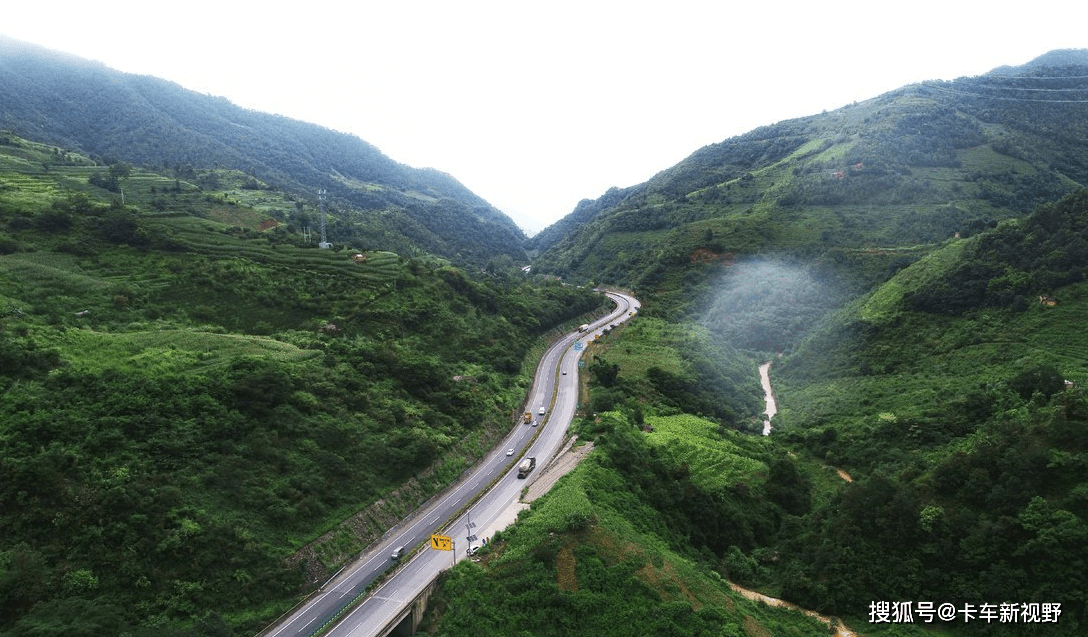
407,621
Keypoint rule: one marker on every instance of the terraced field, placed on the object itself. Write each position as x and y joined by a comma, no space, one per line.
207,237
170,350
715,461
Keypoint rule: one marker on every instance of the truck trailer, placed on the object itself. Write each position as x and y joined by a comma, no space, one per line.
526,467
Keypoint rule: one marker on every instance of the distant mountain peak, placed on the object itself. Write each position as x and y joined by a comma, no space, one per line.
1051,59
73,103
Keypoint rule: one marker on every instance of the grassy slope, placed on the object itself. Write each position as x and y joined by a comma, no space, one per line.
876,359
948,465
595,554
933,414
577,564
715,461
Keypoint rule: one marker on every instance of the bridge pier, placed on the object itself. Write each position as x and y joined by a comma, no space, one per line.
407,622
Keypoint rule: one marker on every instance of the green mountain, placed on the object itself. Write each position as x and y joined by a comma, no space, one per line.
75,104
955,395
914,268
202,414
863,189
193,398
929,449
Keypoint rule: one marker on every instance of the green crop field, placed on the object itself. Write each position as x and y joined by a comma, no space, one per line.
715,461
170,350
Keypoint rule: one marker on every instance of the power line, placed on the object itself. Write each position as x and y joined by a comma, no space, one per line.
1005,98
1044,90
1026,77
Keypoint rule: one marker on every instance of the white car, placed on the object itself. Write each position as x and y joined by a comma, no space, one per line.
510,451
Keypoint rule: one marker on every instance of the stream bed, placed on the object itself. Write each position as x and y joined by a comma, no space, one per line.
768,395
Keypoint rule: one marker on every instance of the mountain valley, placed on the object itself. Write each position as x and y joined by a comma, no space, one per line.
203,414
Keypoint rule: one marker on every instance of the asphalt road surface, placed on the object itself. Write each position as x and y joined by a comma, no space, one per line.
555,388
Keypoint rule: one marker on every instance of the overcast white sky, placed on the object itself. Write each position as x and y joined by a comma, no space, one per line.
537,105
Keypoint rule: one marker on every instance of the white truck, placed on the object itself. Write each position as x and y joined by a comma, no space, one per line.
526,467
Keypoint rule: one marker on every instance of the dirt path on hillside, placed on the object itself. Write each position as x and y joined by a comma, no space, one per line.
841,629
569,457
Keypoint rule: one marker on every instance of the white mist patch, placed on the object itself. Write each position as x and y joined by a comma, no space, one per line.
768,306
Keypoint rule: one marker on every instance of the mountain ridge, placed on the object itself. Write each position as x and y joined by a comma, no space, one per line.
75,103
913,166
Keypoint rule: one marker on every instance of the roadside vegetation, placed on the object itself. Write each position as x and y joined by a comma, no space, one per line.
202,414
193,394
923,451
597,555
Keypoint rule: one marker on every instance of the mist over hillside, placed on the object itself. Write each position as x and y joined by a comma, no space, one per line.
766,305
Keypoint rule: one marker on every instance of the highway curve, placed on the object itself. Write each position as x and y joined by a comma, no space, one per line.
481,497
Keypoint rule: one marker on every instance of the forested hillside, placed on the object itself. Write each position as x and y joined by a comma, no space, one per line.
112,116
191,393
861,190
923,454
194,398
914,269
955,396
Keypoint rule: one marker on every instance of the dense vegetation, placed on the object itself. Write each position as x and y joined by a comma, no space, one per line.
918,261
1015,264
636,541
73,103
966,423
596,556
860,192
679,369
964,435
194,397
191,394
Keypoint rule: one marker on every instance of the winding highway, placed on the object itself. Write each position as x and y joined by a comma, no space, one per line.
491,487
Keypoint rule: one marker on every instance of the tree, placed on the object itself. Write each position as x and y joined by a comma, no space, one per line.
123,229
1042,378
604,373
70,617
788,487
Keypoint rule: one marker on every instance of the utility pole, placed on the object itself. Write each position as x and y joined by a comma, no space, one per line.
468,530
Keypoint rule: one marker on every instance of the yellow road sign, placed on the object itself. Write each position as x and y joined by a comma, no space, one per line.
442,542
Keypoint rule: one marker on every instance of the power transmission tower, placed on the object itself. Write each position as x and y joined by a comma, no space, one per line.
324,240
